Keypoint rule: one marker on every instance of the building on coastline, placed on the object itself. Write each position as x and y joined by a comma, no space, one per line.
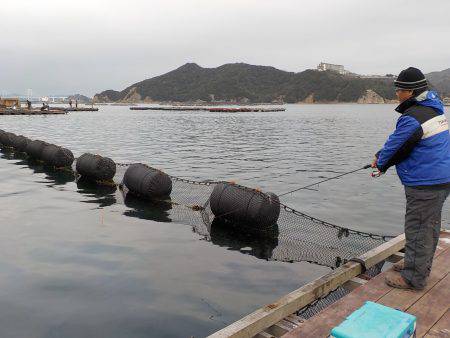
340,69
323,66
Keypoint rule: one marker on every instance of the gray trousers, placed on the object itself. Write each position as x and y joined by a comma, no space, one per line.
422,228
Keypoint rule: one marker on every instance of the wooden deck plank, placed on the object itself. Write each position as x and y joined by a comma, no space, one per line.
273,313
321,325
442,328
295,319
374,290
432,306
403,299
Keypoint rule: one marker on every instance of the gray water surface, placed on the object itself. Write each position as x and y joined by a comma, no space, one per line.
78,262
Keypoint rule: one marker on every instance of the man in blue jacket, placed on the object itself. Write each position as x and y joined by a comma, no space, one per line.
420,149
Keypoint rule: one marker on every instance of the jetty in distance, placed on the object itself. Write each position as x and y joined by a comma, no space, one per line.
22,111
213,109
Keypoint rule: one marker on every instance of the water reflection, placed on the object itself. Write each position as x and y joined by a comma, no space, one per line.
103,195
238,238
145,209
54,177
9,154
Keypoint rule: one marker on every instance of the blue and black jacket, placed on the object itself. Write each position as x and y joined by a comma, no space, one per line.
420,145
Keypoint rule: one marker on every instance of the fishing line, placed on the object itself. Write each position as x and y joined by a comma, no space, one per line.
367,166
326,180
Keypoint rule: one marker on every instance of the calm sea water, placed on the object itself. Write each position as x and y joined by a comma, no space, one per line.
78,262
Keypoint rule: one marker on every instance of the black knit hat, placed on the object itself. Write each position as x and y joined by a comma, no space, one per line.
411,79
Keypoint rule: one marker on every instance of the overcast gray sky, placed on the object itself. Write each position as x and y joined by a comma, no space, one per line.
87,46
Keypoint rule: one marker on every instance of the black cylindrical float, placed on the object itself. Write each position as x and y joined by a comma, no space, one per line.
147,182
20,142
35,148
57,156
244,205
7,139
96,167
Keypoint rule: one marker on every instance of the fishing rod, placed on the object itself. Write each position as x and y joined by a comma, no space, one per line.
367,166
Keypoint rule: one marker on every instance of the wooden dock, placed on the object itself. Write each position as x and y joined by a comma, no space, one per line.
31,112
430,306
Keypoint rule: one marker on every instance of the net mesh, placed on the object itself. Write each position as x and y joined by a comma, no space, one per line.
296,236
321,303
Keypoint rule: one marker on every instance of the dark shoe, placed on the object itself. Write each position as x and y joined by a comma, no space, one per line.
399,266
396,280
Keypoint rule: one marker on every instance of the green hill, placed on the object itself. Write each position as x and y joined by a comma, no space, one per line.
244,83
440,81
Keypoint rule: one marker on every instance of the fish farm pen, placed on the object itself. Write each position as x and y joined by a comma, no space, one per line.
76,109
214,203
357,258
212,109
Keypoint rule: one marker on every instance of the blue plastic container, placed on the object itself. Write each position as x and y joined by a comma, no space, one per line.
373,320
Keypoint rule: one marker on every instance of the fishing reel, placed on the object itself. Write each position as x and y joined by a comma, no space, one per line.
376,173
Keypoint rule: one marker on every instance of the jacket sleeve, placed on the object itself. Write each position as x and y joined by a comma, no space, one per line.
400,143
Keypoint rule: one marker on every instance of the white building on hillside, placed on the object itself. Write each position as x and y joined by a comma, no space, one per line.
329,66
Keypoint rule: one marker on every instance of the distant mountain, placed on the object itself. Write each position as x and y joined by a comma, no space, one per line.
244,83
80,98
440,81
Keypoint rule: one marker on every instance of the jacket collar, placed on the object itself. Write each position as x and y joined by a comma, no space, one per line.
402,107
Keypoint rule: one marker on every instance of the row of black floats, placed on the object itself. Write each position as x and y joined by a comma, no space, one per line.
228,201
50,154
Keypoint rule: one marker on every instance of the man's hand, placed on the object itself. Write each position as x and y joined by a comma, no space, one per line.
376,172
374,162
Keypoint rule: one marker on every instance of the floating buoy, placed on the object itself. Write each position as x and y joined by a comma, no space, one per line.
147,182
20,142
244,205
57,156
96,167
6,139
35,148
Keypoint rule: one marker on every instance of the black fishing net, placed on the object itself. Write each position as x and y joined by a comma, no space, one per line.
253,222
321,303
295,237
